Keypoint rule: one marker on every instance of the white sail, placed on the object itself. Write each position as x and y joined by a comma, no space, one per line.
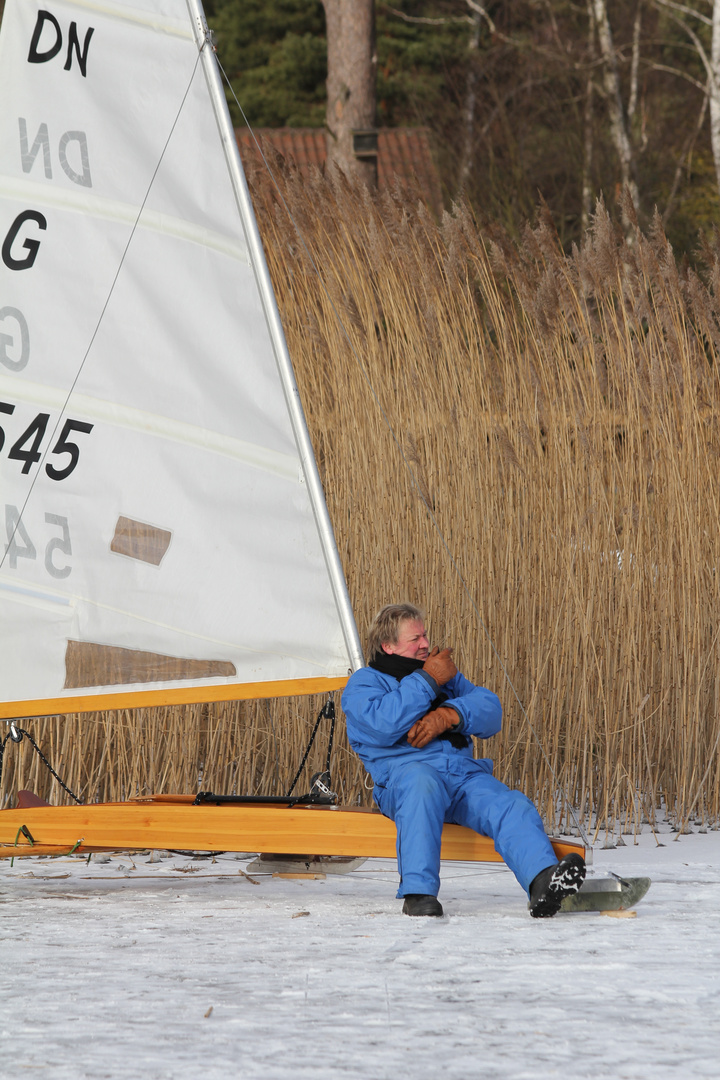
162,532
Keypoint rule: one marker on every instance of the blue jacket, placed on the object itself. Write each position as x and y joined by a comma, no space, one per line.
380,710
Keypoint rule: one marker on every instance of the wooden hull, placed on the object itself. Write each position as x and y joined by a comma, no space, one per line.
173,822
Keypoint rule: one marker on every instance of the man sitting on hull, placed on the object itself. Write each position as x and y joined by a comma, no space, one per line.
410,715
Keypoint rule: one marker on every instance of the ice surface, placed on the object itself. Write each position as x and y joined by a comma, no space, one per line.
181,968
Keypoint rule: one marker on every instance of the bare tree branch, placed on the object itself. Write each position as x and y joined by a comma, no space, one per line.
711,64
699,47
480,10
557,56
679,73
686,154
685,10
427,22
521,88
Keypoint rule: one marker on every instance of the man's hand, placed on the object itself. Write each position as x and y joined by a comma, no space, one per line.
440,665
431,725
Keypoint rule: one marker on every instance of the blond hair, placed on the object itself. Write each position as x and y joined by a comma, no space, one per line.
385,627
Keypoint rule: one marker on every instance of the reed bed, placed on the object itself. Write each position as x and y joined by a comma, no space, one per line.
526,443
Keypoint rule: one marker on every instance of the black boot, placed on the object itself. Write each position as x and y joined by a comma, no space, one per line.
422,904
553,884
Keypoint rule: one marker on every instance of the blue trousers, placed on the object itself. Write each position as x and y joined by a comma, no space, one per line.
420,797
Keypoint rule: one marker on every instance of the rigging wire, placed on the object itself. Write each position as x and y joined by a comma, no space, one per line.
16,734
403,455
101,316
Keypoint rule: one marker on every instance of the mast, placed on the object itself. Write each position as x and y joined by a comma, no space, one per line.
272,315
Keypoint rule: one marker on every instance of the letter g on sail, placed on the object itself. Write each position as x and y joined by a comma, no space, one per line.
14,353
31,246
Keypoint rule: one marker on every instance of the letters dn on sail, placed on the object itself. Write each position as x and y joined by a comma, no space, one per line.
41,141
48,40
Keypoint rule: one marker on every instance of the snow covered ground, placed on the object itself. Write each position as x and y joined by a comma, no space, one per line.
183,968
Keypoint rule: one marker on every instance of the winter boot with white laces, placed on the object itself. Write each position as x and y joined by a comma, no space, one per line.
552,885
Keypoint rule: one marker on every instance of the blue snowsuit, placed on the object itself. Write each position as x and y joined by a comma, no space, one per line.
422,788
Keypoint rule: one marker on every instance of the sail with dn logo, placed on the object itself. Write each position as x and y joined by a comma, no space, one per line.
163,531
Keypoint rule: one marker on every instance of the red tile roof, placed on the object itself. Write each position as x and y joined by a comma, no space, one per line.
404,155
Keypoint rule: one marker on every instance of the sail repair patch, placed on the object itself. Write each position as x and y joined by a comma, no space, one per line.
138,540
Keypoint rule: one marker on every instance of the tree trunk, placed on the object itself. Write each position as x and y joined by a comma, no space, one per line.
588,131
714,86
470,102
611,79
635,63
351,86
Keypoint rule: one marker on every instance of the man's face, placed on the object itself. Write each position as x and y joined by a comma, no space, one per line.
412,641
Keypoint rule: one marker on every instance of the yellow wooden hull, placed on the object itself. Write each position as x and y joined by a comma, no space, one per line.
173,822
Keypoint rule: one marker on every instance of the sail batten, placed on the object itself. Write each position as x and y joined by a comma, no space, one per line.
112,412
125,214
161,516
132,13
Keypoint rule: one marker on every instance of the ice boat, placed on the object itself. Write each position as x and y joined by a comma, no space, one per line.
167,539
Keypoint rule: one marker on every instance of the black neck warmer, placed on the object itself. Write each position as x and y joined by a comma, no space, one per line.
399,667
392,664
